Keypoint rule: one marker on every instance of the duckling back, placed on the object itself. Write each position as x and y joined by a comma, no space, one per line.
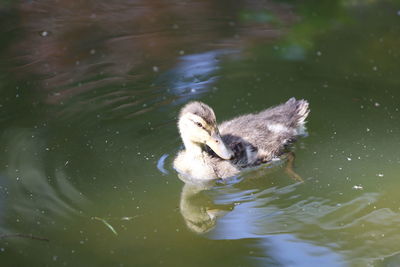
265,135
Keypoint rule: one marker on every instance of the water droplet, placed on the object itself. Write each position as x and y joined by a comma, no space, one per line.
357,187
44,33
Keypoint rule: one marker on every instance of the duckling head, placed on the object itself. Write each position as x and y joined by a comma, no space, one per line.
198,127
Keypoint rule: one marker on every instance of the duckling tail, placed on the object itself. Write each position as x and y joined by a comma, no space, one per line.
302,111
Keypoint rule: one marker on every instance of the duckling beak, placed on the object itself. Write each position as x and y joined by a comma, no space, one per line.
218,146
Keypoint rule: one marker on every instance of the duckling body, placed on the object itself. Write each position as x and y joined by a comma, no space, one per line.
246,141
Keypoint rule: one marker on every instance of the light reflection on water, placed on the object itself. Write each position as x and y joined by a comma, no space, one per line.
89,98
289,228
194,75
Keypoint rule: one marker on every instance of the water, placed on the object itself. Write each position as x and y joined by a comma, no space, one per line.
89,98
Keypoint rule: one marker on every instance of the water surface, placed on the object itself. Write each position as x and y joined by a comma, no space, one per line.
89,94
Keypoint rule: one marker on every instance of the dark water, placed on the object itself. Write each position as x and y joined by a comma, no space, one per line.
89,93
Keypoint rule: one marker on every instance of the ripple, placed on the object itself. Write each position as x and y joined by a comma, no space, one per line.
345,235
35,195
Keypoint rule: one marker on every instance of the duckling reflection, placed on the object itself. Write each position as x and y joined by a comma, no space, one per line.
198,206
198,209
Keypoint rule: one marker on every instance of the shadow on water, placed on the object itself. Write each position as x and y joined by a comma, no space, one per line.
121,59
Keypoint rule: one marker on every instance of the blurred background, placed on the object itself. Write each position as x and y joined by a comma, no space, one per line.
89,95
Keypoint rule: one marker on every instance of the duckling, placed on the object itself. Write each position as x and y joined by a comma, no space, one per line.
213,151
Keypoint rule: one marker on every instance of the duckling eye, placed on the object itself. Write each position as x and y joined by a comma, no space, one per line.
199,124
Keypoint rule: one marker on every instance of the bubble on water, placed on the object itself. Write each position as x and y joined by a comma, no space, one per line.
92,51
319,53
155,69
358,187
374,68
368,129
398,13
376,104
380,174
349,159
44,33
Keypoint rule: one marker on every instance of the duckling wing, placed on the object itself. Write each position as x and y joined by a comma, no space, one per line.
264,135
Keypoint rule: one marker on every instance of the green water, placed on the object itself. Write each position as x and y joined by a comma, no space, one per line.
89,94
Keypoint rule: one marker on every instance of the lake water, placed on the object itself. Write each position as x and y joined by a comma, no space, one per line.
89,95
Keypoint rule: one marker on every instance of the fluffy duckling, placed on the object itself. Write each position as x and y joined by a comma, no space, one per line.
222,151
